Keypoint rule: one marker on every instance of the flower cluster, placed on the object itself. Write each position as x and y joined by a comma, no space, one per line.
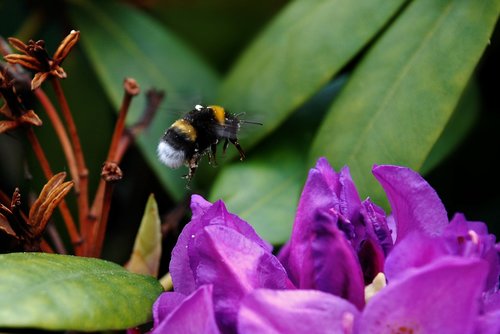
440,276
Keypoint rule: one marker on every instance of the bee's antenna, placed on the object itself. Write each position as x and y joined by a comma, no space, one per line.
250,122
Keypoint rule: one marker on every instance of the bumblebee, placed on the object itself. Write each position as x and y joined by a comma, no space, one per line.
197,134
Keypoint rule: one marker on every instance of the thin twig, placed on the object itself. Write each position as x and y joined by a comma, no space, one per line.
56,239
131,89
110,174
63,207
45,247
61,134
39,153
83,204
153,101
95,226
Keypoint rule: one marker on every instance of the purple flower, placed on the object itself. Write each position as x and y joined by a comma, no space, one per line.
219,249
425,237
193,314
295,311
442,277
338,242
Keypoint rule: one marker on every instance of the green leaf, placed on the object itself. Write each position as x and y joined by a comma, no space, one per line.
146,254
263,192
122,42
61,292
400,98
307,44
264,189
460,124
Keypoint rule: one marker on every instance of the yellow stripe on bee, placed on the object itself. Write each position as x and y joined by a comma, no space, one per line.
186,128
219,113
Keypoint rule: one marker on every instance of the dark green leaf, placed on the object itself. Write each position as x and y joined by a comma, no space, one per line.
264,191
400,98
60,292
123,42
459,125
297,54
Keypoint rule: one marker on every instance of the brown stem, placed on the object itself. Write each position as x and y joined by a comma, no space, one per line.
63,207
39,153
83,202
45,247
100,227
95,226
110,174
61,134
131,89
56,239
154,99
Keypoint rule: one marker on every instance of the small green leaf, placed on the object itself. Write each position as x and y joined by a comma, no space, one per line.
264,191
301,50
61,292
122,42
401,96
146,254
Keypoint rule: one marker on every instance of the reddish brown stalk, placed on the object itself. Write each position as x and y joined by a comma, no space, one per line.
61,134
39,153
45,247
56,239
63,207
83,204
100,227
110,174
131,90
98,214
154,99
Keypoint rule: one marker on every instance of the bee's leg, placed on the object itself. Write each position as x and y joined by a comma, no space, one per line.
211,156
192,165
225,145
238,147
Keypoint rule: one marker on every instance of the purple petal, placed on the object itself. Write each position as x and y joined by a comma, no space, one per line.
199,206
195,315
414,251
415,205
284,254
235,265
471,239
165,304
442,297
329,263
376,225
330,192
350,202
295,311
181,269
488,323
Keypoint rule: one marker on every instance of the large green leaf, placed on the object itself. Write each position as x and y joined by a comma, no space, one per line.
297,54
61,292
123,42
400,98
460,124
264,191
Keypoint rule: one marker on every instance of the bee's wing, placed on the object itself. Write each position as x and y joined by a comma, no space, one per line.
228,130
